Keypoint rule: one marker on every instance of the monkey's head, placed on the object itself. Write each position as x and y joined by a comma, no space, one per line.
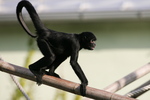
88,40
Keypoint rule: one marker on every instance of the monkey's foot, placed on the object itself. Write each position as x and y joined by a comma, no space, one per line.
52,74
56,75
39,79
38,76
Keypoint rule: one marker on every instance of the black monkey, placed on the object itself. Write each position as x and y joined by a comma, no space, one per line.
55,46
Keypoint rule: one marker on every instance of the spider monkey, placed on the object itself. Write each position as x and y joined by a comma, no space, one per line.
55,46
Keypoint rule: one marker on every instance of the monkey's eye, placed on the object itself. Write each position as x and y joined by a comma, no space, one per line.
92,41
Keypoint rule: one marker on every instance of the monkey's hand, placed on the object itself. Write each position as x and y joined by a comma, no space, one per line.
83,89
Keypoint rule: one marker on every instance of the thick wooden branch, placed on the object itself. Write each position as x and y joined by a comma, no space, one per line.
60,83
119,84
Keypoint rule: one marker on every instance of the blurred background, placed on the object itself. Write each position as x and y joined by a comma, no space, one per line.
122,28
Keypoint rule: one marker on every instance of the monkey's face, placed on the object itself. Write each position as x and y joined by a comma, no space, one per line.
88,40
90,44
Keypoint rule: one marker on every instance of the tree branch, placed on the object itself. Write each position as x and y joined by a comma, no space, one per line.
60,83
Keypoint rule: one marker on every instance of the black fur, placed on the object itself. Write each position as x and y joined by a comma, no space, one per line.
55,46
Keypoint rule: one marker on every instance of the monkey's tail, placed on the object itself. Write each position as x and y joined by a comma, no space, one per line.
33,15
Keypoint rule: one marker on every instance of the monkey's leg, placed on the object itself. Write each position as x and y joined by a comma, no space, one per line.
38,68
55,64
41,65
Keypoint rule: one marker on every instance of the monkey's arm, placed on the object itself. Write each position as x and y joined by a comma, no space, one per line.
76,67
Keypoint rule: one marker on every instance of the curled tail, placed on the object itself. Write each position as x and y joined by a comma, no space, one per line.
33,15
